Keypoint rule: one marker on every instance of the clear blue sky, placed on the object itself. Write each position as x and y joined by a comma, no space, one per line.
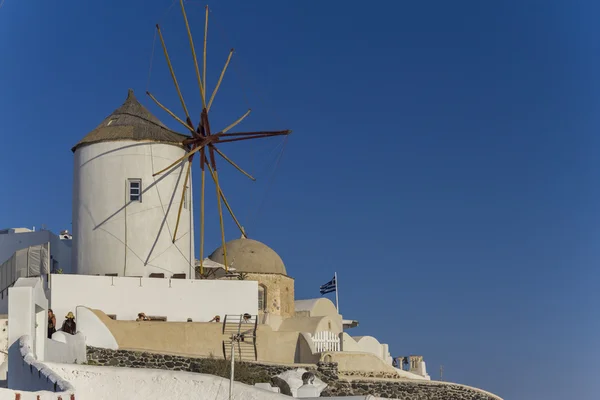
444,159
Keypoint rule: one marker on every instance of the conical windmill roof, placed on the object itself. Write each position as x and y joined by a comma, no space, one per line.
131,121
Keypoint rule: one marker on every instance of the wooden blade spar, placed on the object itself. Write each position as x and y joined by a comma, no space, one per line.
219,152
204,66
164,46
185,186
189,32
215,176
202,163
237,121
257,133
187,155
216,179
158,103
251,137
227,205
212,97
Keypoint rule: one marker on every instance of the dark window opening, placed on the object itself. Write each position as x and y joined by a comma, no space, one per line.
135,190
262,297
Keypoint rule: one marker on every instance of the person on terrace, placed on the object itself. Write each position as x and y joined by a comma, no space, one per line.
142,317
51,323
69,326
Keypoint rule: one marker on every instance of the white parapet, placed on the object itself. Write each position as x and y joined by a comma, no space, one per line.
176,300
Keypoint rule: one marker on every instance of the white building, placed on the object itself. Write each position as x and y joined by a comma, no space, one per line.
123,216
123,225
14,239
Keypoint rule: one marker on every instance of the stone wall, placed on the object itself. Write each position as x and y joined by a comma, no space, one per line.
370,374
253,372
405,390
349,384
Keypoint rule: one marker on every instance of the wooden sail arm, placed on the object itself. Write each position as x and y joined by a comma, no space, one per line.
237,121
265,135
164,46
204,56
189,32
226,202
212,97
188,125
215,176
180,159
270,133
202,163
219,152
183,192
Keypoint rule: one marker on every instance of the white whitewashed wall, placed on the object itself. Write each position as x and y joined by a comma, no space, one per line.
113,235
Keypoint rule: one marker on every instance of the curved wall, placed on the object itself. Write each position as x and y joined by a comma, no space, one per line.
113,235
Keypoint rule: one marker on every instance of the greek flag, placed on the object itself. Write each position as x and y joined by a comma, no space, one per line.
329,287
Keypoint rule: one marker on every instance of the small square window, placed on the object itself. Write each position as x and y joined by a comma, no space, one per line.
135,190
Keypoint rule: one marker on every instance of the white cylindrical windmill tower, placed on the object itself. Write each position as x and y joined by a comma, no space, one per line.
123,217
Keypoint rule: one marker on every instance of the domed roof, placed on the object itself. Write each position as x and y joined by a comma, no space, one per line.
247,255
131,121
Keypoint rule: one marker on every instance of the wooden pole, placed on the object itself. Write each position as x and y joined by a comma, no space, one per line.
237,121
202,164
219,152
162,41
212,97
233,340
227,205
187,155
250,137
158,103
268,133
189,32
187,176
204,67
216,178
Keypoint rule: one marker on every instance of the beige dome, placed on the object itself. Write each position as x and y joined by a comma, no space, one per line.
247,255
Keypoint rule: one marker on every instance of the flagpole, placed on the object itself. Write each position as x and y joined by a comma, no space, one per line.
337,301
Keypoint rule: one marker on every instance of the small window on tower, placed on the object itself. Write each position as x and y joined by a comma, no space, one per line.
186,198
135,190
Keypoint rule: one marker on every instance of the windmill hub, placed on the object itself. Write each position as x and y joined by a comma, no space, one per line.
202,140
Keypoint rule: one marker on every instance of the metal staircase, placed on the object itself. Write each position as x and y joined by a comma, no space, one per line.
241,337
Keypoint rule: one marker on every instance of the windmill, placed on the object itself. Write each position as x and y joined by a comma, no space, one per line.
203,141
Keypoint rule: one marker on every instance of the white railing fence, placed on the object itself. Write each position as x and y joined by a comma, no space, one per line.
326,341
